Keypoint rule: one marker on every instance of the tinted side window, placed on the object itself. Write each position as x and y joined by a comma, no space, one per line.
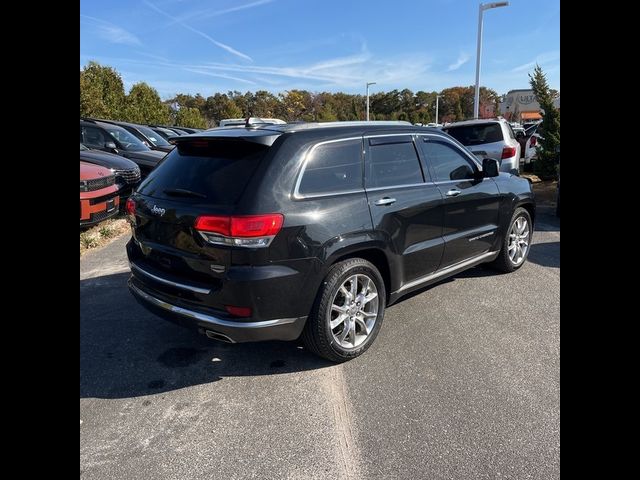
333,167
393,161
447,163
92,137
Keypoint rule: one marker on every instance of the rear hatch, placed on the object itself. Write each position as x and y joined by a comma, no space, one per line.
485,140
201,176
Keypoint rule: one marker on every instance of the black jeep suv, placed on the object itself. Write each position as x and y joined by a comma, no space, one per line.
311,230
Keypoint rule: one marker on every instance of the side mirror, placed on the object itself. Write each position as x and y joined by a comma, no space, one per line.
490,167
111,146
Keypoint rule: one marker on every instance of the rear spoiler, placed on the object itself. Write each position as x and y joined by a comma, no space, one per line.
259,136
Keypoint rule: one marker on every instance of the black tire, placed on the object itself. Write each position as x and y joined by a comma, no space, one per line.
317,335
503,263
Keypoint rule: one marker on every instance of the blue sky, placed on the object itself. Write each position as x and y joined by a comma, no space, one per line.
209,46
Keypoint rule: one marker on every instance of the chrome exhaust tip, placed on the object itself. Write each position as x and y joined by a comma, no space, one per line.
218,336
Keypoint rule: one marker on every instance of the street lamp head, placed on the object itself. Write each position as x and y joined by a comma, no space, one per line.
487,6
370,83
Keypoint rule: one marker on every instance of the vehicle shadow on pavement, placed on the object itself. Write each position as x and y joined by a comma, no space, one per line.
126,351
545,254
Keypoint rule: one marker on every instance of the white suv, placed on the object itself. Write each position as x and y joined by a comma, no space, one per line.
490,138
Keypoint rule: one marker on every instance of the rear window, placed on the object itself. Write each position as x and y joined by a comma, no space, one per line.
333,167
216,171
476,134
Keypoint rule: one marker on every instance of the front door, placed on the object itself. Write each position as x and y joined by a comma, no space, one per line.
404,205
94,137
471,204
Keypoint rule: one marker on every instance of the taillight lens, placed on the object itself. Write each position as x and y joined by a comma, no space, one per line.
508,152
241,231
214,224
131,207
256,225
238,311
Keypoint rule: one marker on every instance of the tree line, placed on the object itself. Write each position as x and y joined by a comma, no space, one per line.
102,95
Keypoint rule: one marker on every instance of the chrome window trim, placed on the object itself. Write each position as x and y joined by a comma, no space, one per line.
446,140
301,196
410,185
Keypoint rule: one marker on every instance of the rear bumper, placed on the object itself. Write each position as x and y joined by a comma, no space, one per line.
234,331
510,165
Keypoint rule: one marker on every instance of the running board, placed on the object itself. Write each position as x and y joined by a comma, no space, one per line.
446,272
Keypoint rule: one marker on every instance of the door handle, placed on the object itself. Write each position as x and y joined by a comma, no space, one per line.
385,201
453,193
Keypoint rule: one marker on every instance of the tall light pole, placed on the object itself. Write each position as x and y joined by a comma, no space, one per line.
481,9
370,83
437,98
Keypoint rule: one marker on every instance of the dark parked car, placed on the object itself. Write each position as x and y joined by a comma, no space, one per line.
187,130
175,130
127,173
114,139
147,136
278,231
165,133
99,197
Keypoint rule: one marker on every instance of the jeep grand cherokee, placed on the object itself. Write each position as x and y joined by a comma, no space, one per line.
281,231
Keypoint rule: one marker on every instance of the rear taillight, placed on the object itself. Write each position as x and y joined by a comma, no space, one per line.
131,207
534,140
240,231
238,311
508,152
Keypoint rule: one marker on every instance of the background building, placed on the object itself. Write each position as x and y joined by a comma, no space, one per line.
521,105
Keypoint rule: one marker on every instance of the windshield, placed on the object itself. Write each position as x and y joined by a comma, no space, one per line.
157,139
127,141
476,134
165,133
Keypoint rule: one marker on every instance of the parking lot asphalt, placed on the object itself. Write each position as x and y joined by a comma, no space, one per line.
462,382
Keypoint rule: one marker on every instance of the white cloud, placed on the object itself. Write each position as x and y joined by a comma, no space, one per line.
462,59
200,14
221,45
541,59
112,33
219,75
339,73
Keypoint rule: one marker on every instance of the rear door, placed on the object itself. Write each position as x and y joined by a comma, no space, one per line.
470,204
405,205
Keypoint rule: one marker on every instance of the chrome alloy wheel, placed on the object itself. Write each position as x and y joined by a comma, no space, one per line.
519,241
354,310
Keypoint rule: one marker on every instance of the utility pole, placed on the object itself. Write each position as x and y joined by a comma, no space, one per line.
370,83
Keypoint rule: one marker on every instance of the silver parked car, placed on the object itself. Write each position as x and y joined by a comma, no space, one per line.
489,138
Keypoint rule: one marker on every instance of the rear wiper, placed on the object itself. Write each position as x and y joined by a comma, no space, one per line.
183,193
